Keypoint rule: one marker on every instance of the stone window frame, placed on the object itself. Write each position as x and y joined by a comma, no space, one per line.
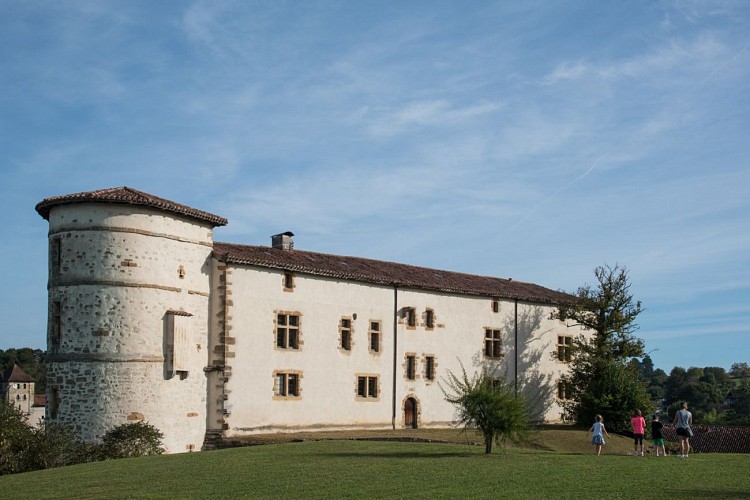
287,281
495,305
564,352
288,375
297,328
363,393
562,391
346,334
410,366
410,317
429,366
429,318
493,343
378,333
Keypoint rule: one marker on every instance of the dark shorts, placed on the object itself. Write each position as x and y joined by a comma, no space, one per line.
659,442
638,438
682,431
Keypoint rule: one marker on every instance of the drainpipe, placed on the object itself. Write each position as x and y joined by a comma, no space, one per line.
515,350
395,352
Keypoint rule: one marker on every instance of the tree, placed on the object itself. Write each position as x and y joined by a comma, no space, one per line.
15,439
738,412
739,370
601,379
488,404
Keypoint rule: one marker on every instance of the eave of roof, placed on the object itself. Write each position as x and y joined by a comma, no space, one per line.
385,273
128,196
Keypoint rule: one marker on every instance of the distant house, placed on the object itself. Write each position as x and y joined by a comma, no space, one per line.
152,320
18,388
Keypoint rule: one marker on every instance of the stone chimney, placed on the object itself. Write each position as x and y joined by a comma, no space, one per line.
283,241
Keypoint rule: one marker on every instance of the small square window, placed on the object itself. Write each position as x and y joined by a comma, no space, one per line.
286,385
367,387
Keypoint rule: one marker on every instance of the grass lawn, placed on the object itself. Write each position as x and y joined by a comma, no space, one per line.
384,469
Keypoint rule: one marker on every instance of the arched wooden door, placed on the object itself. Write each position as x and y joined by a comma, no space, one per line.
410,413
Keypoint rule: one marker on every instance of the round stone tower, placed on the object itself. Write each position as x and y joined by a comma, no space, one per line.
128,313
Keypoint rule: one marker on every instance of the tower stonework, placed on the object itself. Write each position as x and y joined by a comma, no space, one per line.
129,288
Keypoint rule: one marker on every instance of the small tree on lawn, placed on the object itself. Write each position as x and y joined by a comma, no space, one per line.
488,404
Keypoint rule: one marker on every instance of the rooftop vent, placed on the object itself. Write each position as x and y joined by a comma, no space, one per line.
283,241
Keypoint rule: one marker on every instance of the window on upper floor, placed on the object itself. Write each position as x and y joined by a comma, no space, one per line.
493,346
286,384
345,334
411,366
429,367
564,348
495,305
367,387
429,319
288,281
563,392
411,317
287,331
55,256
55,327
375,336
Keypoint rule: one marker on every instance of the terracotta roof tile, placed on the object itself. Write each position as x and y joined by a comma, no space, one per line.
128,196
385,273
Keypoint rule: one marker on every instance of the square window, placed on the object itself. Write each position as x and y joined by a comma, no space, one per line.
367,386
286,384
287,331
493,347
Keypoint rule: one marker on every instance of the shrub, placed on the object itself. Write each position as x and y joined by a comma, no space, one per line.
132,440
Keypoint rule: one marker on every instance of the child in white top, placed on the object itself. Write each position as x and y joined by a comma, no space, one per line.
599,432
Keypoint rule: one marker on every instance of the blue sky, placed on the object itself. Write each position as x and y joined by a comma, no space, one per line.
532,140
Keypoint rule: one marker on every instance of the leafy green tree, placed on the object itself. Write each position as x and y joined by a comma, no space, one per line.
15,439
489,404
738,411
135,439
601,380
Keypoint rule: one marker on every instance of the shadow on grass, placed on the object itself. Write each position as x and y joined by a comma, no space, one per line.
400,454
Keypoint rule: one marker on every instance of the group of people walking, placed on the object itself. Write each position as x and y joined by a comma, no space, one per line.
683,419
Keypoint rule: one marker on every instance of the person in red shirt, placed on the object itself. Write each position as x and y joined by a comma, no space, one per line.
639,429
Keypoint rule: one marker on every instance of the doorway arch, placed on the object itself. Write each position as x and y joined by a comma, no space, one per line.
411,410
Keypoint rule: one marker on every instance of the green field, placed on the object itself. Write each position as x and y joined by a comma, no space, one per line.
386,469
